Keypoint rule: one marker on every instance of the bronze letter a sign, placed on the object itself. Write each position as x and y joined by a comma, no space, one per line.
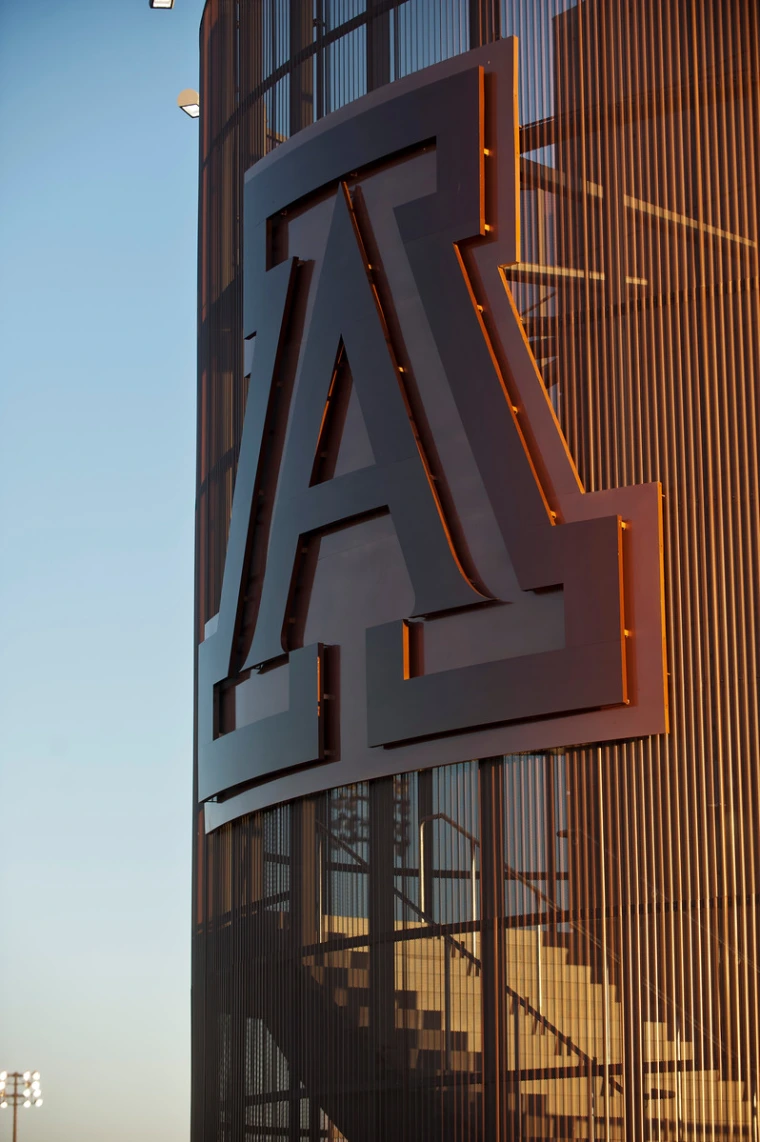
414,573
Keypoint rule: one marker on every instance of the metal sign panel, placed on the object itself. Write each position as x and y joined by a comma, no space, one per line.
414,574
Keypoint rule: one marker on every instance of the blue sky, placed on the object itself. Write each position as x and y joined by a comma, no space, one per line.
98,198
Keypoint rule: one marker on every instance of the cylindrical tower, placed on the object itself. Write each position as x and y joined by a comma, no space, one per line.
511,889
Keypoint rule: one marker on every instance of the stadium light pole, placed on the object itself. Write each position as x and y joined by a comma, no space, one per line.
19,1087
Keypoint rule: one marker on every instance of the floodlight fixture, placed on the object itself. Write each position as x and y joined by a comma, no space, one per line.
16,1091
161,3
189,101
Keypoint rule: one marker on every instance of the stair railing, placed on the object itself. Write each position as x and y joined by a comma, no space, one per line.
461,948
474,843
514,873
450,943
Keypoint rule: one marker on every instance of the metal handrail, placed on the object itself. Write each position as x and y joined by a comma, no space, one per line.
539,1017
450,940
461,948
474,843
514,873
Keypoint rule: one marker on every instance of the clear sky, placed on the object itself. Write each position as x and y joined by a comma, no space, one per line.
98,200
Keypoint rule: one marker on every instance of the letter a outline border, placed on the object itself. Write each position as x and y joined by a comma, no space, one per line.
437,105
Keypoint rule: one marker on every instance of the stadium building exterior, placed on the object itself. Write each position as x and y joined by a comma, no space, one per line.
477,571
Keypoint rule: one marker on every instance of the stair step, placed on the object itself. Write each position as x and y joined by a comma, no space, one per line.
570,999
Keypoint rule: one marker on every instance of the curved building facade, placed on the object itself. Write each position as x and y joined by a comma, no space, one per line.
477,566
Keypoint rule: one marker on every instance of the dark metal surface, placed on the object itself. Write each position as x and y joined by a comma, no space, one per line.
347,321
348,326
283,740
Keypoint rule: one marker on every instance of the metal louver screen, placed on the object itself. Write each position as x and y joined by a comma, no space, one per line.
536,946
